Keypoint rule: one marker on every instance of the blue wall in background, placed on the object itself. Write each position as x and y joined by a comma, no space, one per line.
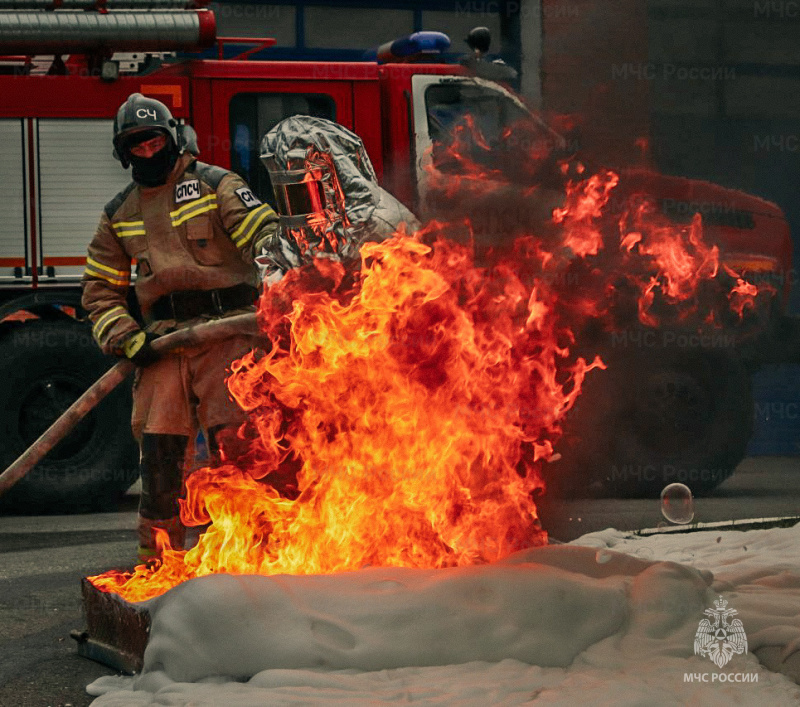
776,390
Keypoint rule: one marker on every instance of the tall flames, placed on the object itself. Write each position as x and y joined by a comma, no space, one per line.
388,423
400,415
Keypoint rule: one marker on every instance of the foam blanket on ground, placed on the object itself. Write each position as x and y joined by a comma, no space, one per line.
610,619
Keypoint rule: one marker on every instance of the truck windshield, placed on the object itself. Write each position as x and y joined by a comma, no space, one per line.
252,115
451,106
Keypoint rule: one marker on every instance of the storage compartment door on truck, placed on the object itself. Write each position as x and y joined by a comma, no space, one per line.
58,174
243,111
78,176
443,103
13,243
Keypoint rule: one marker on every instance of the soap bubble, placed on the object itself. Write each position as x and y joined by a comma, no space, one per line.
677,504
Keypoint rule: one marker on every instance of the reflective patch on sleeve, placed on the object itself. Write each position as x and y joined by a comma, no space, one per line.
247,197
252,222
106,320
115,277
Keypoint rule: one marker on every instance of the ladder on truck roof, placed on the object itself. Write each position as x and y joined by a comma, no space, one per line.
112,35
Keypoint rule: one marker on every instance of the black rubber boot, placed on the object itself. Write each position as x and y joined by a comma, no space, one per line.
161,467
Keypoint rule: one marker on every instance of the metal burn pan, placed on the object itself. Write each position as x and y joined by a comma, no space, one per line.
117,631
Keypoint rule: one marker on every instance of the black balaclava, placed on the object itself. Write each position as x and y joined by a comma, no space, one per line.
153,171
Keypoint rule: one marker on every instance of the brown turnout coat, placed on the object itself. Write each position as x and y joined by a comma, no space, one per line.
199,231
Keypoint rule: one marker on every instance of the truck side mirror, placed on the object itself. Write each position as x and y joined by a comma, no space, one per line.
479,40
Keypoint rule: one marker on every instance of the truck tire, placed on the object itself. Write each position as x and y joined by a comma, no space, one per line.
48,365
650,421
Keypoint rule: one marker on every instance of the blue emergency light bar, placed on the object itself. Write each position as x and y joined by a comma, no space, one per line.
409,47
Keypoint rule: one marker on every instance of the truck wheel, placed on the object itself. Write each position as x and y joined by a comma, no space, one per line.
648,422
48,366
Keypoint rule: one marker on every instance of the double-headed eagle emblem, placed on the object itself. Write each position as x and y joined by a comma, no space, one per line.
719,640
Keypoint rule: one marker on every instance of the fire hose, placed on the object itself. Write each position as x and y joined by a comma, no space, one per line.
183,338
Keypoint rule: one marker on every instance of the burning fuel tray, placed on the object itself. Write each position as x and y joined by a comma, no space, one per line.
117,631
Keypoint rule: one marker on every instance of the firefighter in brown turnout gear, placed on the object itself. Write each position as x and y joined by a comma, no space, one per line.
192,230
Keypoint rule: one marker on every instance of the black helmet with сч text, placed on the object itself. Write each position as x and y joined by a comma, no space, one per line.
141,114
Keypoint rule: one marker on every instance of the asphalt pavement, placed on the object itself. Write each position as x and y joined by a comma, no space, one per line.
761,487
42,561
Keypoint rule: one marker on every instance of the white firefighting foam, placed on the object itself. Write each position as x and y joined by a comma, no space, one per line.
557,625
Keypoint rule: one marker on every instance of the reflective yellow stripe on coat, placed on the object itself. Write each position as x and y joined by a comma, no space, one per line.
126,229
94,268
106,320
192,209
252,222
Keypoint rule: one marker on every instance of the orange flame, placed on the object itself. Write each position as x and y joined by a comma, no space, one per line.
584,207
403,413
407,406
677,266
743,295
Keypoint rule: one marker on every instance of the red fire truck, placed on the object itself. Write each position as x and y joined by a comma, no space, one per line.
58,172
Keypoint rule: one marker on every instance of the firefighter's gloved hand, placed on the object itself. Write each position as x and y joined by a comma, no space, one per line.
139,348
268,271
278,253
263,238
